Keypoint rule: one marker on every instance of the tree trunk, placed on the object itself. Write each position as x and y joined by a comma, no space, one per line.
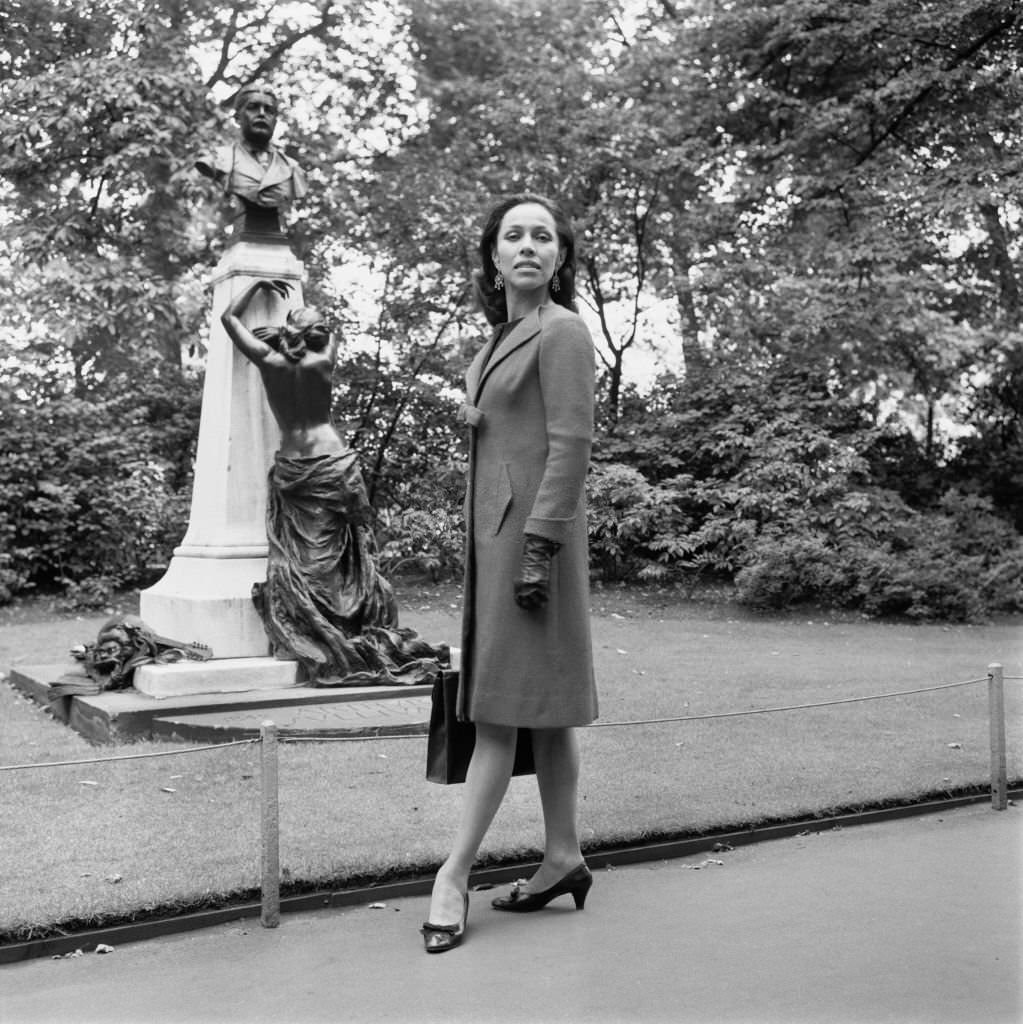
1009,291
696,363
929,440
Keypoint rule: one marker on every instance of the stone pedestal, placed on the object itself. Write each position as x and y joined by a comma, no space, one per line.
221,675
206,594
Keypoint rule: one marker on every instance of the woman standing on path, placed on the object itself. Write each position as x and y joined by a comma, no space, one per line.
526,654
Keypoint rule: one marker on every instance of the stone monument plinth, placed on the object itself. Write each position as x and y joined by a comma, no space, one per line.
206,593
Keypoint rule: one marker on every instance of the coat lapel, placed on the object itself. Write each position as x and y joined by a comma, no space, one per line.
475,371
525,330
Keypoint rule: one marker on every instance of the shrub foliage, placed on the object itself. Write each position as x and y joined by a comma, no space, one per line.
94,492
767,480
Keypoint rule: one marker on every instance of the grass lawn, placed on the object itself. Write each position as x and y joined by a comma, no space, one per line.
94,844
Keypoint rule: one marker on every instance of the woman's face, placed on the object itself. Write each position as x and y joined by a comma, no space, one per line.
527,251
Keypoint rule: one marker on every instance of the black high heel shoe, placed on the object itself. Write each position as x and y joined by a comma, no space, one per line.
439,938
577,882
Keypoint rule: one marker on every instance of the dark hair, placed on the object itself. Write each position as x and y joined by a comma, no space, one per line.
491,299
304,328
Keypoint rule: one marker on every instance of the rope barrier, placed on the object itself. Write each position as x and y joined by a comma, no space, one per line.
126,757
659,721
306,738
790,707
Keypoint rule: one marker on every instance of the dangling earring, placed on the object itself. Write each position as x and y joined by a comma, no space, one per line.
555,283
499,281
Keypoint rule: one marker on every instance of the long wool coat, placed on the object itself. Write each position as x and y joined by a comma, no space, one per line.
530,409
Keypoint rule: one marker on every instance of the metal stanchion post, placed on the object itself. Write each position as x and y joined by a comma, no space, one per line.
996,712
270,881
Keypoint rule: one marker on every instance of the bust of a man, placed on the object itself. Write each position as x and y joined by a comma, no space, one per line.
259,177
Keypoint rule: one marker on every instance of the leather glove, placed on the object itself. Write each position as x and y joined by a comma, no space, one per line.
532,587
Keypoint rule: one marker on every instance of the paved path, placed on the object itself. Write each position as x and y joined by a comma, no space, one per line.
916,921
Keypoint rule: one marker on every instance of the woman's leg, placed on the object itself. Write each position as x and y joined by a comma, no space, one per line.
485,785
556,752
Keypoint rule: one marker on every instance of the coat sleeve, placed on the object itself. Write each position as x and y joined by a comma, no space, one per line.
567,369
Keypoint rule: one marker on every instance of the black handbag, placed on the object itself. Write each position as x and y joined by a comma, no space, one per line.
450,743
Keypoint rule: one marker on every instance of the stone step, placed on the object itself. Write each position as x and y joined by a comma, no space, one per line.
127,714
394,716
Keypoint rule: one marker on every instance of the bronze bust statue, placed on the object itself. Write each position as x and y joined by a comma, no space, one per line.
259,178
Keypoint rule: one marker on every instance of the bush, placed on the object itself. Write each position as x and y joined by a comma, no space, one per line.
790,571
772,480
753,460
420,530
93,493
11,582
636,528
429,543
960,562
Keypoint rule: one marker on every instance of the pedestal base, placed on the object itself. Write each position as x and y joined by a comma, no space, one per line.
225,675
119,715
209,601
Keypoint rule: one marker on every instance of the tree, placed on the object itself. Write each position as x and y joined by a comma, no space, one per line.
494,124
110,230
98,195
876,143
822,194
